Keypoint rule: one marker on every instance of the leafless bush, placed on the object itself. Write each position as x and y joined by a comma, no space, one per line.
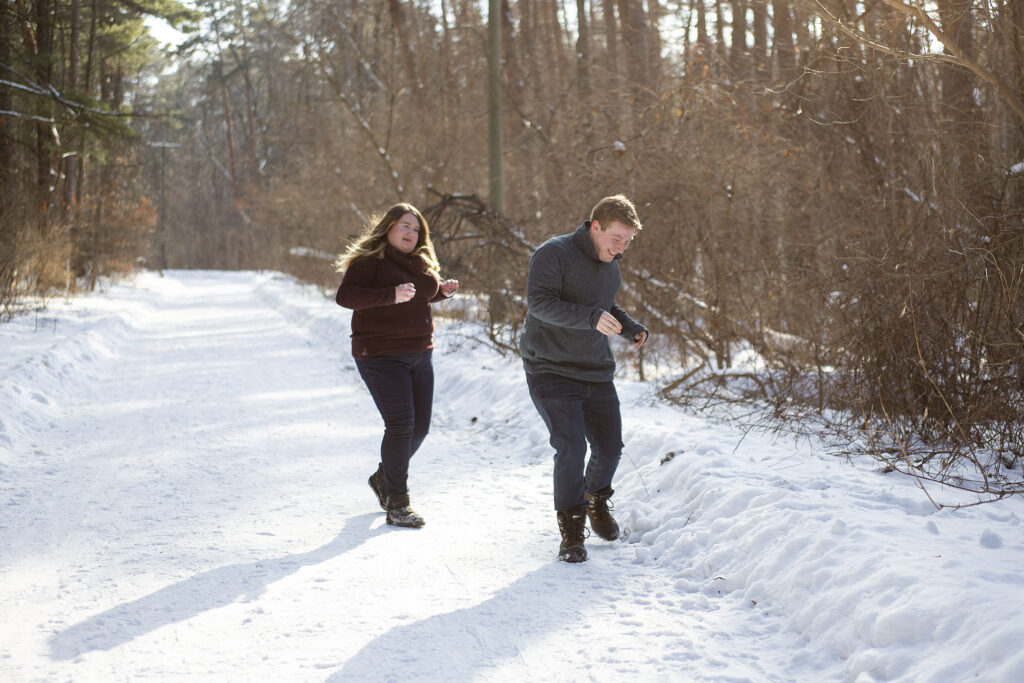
489,255
33,259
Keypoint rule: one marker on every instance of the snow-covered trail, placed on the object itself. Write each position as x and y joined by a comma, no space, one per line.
197,508
183,496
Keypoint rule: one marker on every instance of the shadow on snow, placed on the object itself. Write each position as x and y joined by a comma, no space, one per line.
208,590
464,642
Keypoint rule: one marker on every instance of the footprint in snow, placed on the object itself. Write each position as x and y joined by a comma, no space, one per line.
990,539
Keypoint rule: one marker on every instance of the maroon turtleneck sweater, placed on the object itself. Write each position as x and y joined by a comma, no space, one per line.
379,325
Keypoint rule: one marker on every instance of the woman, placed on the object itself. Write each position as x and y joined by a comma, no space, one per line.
390,279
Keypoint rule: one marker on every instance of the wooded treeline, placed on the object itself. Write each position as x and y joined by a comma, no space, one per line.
834,186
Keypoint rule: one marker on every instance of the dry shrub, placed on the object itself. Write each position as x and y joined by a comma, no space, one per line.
33,258
932,366
489,255
111,225
871,310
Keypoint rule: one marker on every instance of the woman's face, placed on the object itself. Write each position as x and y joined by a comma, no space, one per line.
405,233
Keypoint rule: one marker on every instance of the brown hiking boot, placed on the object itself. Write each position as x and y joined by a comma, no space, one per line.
376,482
601,520
571,524
399,512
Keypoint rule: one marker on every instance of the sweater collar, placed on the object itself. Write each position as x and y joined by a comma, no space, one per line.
581,237
413,263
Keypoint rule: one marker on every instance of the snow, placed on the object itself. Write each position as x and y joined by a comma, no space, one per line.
183,464
310,252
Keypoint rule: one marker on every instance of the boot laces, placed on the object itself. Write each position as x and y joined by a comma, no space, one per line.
600,507
574,527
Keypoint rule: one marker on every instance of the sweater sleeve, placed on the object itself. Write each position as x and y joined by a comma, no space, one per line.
440,296
630,327
543,293
356,290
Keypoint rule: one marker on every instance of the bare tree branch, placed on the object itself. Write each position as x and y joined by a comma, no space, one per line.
955,57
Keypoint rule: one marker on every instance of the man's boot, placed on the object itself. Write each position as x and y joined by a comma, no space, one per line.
571,524
376,482
399,512
601,520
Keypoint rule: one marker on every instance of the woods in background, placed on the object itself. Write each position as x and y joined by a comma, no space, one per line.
836,186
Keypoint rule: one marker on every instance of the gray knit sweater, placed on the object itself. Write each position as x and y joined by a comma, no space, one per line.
567,290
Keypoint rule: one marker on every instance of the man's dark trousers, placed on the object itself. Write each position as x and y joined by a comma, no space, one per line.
577,412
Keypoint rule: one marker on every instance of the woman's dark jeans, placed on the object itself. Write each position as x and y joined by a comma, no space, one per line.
402,386
578,412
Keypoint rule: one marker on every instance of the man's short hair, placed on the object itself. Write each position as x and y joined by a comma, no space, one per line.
616,208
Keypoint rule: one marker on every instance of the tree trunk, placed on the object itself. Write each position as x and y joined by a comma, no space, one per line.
7,28
611,37
1015,141
960,116
720,49
654,14
738,50
703,50
785,54
583,66
406,40
529,31
512,72
229,139
87,88
71,164
252,146
804,39
555,41
43,70
445,75
494,151
635,40
957,87
760,29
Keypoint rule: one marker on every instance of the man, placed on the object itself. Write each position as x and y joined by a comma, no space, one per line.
571,313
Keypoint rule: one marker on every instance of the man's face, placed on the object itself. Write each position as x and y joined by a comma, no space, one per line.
612,241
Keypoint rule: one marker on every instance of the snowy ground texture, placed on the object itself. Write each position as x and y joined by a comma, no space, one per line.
183,496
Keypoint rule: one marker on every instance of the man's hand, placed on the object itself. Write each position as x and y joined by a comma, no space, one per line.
639,340
608,325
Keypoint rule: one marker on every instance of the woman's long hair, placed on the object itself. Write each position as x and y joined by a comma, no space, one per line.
374,239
